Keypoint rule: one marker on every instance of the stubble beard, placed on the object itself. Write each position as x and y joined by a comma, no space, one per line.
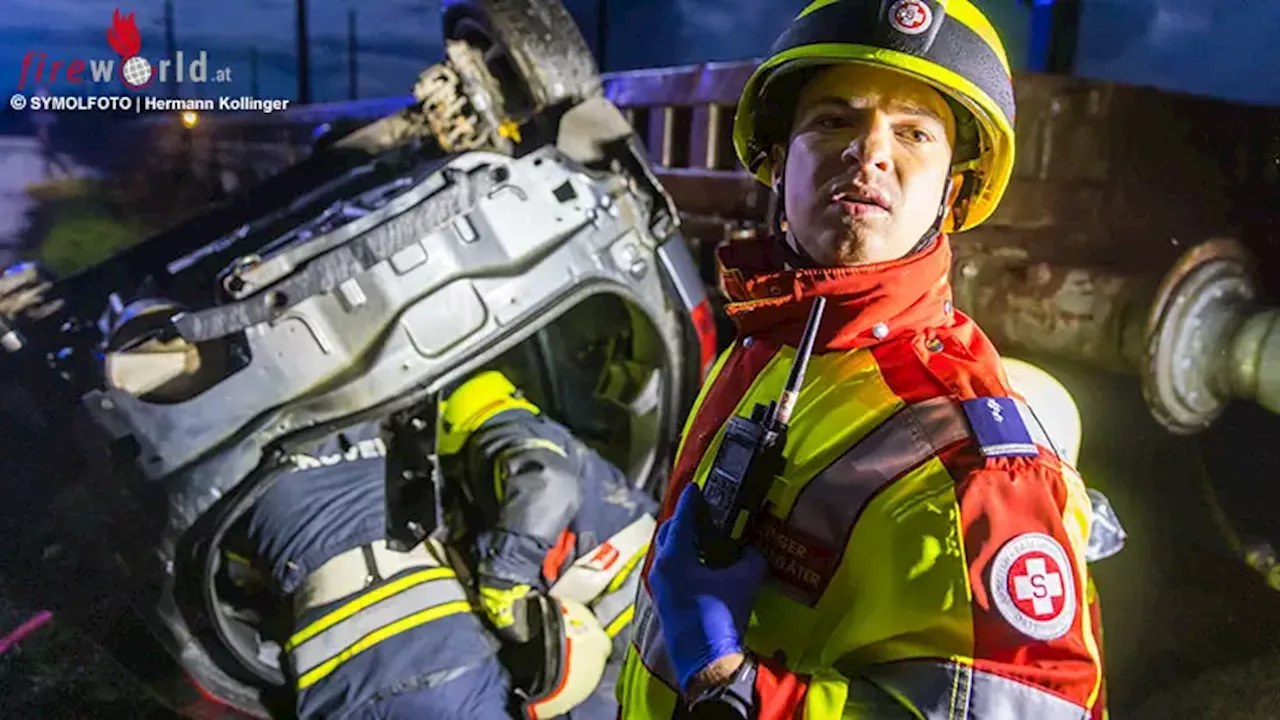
858,240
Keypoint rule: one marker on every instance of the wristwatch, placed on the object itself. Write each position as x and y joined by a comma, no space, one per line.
732,700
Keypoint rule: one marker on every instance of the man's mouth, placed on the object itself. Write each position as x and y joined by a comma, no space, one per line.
862,202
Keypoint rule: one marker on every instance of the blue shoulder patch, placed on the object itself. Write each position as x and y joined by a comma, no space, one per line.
999,428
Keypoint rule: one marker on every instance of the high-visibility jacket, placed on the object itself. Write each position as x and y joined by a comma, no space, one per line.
926,544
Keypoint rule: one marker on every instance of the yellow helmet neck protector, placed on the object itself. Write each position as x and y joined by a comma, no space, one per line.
948,45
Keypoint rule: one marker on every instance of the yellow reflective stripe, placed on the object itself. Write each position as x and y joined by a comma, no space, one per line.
236,557
1077,518
333,642
365,601
500,470
615,608
620,622
640,694
499,603
625,573
420,618
816,5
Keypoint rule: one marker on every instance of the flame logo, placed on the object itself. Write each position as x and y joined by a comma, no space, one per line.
123,35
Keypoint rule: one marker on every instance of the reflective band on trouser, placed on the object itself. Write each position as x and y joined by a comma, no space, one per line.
318,649
940,690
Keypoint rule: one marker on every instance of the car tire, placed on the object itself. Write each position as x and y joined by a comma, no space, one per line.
532,44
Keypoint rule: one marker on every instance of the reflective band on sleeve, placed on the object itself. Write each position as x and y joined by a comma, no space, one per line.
647,637
1039,435
500,462
591,575
321,647
939,690
615,609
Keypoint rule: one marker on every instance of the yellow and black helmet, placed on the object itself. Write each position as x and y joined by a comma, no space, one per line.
471,405
948,44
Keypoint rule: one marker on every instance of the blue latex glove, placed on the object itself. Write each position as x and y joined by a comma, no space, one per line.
704,610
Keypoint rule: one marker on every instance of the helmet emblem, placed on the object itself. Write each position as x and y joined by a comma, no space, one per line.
910,17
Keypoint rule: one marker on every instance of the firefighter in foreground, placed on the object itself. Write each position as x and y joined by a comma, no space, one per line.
380,633
921,550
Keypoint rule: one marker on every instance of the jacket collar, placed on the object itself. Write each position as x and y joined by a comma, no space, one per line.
866,305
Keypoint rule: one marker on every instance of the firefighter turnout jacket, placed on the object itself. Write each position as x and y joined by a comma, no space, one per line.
926,544
549,517
375,633
548,504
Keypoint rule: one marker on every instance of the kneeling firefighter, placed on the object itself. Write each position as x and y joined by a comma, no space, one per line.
375,633
551,527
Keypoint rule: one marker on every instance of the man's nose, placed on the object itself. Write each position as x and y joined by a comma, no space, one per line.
871,144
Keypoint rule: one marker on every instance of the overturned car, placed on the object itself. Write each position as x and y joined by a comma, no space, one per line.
508,218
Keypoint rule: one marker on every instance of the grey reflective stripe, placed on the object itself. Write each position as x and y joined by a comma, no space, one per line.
1038,434
942,690
646,635
830,503
611,605
339,637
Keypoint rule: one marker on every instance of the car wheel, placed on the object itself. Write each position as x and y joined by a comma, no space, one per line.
533,47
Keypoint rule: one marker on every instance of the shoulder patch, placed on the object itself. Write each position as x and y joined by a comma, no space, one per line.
999,428
1032,586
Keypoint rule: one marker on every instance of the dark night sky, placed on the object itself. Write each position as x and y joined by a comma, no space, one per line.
1211,47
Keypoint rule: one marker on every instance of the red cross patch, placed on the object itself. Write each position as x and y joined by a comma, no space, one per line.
1032,586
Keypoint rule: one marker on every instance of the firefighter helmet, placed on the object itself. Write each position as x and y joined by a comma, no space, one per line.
475,401
949,45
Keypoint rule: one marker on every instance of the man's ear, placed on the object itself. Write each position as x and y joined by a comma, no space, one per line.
948,221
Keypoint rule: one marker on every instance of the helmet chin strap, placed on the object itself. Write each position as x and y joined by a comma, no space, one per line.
794,253
935,230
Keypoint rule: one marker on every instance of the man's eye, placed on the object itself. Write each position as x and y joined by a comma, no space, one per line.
831,122
916,135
